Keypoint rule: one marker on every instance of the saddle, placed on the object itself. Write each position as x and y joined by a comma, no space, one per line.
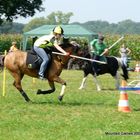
33,61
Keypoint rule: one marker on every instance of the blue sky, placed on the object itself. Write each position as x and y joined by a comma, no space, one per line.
112,11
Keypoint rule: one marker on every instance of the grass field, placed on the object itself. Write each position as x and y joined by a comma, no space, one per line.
82,115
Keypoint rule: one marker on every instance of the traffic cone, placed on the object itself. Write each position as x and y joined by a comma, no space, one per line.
123,105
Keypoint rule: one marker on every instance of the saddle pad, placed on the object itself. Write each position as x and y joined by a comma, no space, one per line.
33,61
31,58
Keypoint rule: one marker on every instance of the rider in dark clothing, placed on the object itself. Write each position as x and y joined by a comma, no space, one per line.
97,48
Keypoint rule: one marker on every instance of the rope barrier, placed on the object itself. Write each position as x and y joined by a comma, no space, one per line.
129,88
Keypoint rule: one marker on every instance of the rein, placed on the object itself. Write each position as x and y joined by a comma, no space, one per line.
74,48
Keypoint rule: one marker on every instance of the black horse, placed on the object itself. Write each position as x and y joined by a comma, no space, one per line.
112,67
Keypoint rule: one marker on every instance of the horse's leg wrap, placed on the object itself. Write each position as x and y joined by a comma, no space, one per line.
25,96
62,92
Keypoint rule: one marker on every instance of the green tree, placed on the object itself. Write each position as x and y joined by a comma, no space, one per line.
9,27
59,18
123,27
36,22
11,9
54,18
51,19
62,18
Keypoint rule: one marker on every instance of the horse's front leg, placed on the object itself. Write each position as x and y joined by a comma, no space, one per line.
83,83
52,86
84,80
63,83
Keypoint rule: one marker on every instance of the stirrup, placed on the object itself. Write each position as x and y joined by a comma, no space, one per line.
96,74
41,77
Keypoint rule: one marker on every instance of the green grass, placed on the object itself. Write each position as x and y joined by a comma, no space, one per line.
82,115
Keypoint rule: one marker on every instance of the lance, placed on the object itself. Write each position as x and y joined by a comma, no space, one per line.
113,45
83,58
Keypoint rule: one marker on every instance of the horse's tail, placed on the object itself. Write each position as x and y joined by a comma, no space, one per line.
1,62
124,69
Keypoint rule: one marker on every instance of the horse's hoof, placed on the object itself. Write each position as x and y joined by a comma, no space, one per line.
28,100
60,98
98,89
80,88
39,91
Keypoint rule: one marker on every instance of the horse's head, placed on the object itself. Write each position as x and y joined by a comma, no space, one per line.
71,47
76,48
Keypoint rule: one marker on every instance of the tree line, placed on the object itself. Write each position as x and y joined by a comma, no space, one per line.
10,10
123,27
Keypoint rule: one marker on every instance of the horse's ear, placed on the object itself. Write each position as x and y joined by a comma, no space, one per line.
66,40
75,44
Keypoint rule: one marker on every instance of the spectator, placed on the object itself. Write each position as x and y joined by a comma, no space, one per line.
124,52
13,47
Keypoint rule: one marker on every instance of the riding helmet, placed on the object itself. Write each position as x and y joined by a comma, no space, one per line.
58,30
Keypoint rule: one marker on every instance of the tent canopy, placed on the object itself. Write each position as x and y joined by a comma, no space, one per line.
69,31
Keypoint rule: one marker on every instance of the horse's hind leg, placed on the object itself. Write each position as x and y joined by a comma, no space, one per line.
47,91
83,83
17,84
96,83
116,77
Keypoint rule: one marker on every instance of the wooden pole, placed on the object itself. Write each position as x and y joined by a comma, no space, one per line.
4,78
83,58
113,44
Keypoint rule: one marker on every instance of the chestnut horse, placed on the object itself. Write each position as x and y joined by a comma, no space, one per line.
15,62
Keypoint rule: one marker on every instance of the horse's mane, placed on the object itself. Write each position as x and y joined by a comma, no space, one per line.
66,43
70,44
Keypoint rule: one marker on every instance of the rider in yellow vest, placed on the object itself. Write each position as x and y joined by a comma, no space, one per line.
46,42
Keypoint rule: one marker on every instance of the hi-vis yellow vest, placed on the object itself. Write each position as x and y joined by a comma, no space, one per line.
51,43
46,44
